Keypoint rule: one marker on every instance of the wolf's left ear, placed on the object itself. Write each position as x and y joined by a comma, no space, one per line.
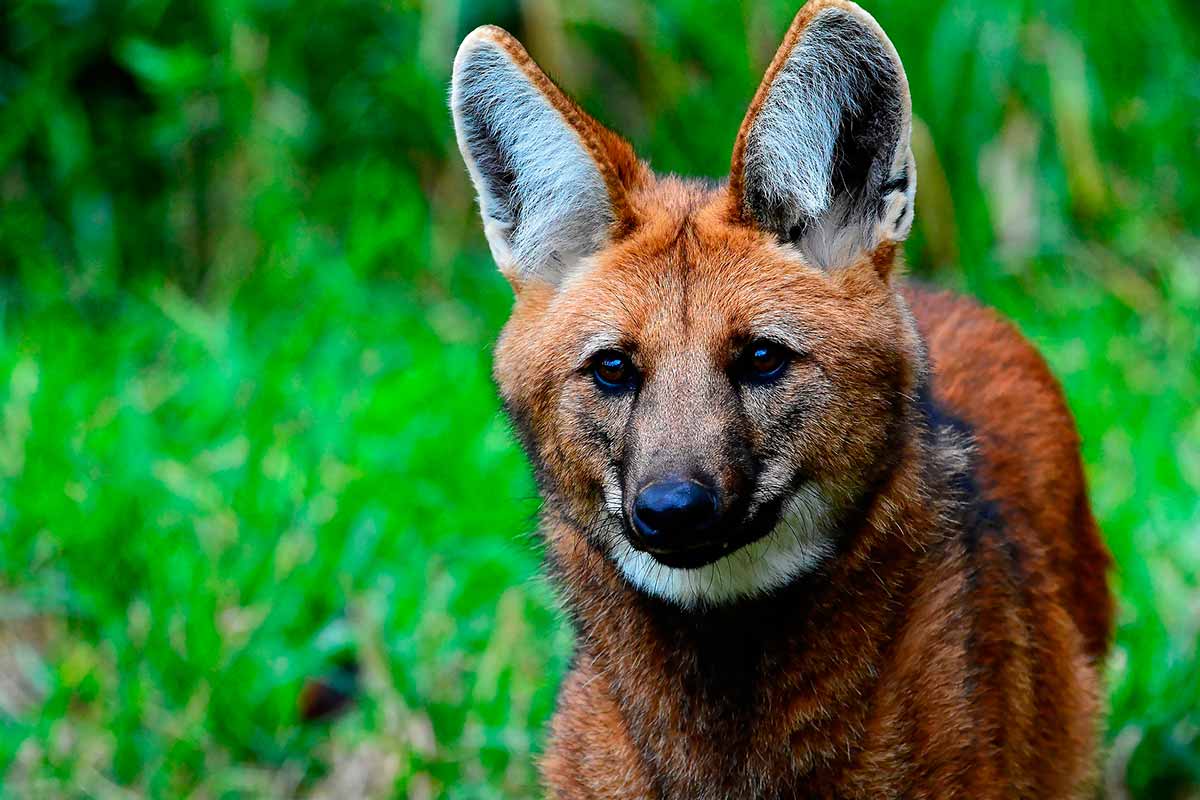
553,182
824,158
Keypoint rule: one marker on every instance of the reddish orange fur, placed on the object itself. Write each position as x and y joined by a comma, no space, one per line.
869,662
952,646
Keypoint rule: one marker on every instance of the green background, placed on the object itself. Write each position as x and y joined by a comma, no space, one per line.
247,429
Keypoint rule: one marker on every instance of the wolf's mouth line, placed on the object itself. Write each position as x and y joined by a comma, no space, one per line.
763,523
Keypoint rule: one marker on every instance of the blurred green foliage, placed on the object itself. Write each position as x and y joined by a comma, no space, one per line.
246,426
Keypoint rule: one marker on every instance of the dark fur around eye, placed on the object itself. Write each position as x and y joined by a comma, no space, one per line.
613,371
764,361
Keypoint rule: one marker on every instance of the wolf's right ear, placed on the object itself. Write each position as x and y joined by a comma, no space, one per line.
552,182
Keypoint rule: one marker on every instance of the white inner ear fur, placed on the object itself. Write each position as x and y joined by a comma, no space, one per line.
543,200
792,147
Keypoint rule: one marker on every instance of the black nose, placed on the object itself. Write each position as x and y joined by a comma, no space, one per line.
671,514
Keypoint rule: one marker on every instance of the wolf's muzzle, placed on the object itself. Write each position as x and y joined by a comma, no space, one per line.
675,515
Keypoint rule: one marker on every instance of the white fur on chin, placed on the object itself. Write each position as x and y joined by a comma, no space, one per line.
797,545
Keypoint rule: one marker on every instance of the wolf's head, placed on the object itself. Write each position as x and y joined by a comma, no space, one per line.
708,379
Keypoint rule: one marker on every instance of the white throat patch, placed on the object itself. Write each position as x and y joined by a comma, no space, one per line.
797,545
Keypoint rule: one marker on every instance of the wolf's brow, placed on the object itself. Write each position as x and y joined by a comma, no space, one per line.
605,340
778,332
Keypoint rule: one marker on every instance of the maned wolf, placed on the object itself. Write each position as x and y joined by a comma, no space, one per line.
821,533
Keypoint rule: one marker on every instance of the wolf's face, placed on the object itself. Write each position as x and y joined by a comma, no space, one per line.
704,404
706,379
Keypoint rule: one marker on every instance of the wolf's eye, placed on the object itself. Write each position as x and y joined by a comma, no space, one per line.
612,370
765,360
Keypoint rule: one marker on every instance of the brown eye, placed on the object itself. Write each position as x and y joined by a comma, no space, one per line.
612,370
765,360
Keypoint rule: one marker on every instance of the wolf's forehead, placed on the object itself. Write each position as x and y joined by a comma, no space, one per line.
705,279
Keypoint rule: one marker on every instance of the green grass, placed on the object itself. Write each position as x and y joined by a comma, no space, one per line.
246,426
